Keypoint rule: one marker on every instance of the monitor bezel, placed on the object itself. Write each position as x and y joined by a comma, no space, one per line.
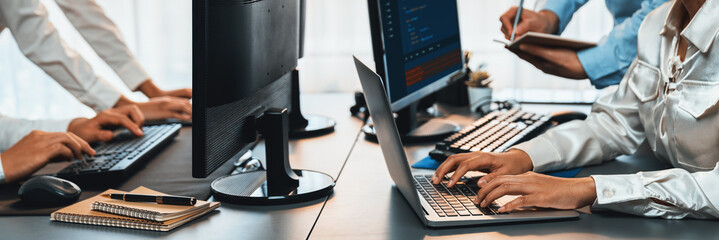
378,50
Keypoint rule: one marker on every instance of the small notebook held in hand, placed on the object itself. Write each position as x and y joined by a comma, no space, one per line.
547,40
136,215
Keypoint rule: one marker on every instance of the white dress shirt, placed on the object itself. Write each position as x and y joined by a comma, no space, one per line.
40,42
677,117
13,129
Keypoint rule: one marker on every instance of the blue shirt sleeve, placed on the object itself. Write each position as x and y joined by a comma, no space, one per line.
607,63
564,9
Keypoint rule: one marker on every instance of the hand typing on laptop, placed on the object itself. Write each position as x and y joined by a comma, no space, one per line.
510,173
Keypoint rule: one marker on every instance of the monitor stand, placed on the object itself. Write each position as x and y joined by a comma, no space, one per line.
412,131
279,183
311,125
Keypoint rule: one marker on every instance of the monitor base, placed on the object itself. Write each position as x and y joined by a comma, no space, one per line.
316,126
432,130
250,188
305,126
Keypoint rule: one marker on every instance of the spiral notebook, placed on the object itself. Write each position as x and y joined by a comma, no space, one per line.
171,216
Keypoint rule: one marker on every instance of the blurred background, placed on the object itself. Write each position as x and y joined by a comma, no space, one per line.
159,32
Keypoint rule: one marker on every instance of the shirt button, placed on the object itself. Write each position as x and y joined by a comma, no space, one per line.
680,87
608,193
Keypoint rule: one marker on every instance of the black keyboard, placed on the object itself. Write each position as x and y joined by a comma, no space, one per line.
116,159
454,201
495,132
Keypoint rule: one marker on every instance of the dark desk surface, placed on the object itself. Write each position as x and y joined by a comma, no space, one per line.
365,205
326,153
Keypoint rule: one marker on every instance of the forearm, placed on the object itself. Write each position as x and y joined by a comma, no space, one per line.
105,38
41,43
612,129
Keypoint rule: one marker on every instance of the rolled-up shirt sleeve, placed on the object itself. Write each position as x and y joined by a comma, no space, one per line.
105,38
608,62
563,8
612,129
41,43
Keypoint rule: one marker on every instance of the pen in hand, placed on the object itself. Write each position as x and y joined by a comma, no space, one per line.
516,19
160,199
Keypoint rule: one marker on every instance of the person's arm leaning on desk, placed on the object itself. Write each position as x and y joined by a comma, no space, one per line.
27,145
604,64
41,43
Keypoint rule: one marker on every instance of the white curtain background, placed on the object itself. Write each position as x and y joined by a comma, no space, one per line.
159,32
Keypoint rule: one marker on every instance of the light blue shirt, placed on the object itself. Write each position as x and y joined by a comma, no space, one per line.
607,63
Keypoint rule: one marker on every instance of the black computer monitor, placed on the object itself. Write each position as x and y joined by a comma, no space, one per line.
417,51
244,59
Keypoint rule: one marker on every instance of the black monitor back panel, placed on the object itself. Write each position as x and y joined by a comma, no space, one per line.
243,55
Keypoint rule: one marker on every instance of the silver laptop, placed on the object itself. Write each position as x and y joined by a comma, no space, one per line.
436,205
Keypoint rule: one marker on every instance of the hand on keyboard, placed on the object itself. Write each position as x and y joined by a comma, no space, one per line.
95,129
495,164
37,148
538,190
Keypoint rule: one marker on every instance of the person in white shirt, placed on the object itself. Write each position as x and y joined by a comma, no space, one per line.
40,42
26,145
667,102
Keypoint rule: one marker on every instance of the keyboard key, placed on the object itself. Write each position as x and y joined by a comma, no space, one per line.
463,213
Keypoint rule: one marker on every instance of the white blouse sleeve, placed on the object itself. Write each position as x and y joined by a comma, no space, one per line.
41,43
612,129
105,38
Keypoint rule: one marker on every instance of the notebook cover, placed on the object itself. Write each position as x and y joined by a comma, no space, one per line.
81,212
149,211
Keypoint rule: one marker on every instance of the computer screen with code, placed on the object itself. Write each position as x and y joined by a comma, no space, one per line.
421,43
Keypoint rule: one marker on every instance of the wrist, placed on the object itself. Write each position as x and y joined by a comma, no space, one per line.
75,123
522,160
589,191
552,21
123,101
150,89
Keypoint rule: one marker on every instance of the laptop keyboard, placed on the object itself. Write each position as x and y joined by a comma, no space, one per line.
454,201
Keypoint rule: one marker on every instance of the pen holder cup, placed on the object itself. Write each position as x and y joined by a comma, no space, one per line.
480,99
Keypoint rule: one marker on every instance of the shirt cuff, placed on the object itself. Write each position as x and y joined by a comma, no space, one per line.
612,189
564,11
101,95
133,74
2,171
600,64
542,152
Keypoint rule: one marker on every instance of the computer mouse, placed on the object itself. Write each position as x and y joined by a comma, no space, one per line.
566,116
48,190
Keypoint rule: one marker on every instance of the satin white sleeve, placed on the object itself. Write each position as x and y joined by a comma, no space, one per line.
105,38
612,129
692,195
41,43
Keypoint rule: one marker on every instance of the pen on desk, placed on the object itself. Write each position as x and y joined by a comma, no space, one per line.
160,199
516,19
